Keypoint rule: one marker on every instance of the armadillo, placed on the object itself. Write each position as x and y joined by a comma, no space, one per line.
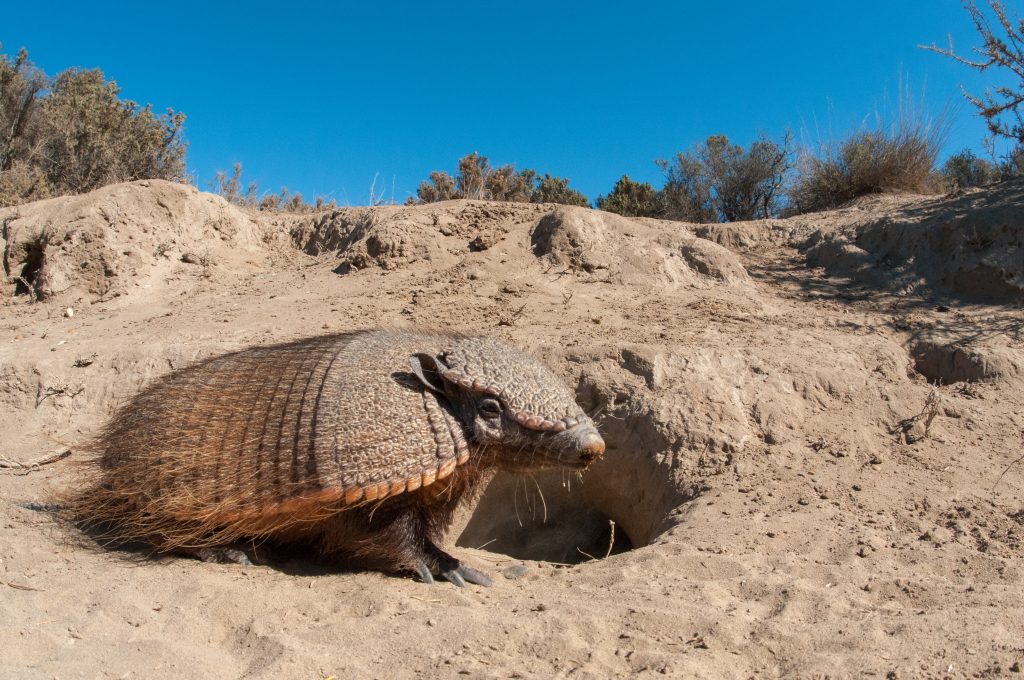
362,444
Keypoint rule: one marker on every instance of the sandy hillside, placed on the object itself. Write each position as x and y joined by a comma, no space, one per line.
813,425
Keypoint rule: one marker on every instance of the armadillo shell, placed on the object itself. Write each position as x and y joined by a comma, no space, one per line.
328,421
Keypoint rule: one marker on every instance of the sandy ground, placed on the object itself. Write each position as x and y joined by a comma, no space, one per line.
814,431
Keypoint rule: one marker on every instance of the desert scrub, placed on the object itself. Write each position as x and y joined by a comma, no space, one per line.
719,181
899,156
632,199
477,179
73,133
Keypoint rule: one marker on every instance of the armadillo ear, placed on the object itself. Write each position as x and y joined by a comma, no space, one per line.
428,369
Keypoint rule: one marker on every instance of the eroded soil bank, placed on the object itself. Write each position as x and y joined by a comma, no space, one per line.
812,428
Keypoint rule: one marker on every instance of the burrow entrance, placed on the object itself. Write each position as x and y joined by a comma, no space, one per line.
548,517
625,501
944,361
24,265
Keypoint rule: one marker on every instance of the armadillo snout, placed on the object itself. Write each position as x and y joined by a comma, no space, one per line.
591,445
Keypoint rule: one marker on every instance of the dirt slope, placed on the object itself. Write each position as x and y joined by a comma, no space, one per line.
812,428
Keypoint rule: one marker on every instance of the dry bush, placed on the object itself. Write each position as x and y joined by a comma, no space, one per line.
899,156
73,133
632,199
230,187
1002,37
476,179
718,181
687,194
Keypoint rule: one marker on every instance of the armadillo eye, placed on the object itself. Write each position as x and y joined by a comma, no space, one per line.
490,408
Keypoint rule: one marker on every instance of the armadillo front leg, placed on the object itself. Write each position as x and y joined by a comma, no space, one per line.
396,539
451,569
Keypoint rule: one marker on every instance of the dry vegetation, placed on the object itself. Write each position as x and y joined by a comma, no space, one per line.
72,133
476,179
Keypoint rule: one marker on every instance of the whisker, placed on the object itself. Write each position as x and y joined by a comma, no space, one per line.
541,493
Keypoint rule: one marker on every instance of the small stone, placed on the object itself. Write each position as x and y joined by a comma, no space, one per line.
69,312
515,571
876,459
856,487
1015,668
431,622
190,258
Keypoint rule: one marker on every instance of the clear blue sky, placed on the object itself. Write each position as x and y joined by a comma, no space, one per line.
322,98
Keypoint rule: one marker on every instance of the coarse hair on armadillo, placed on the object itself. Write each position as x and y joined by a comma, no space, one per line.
268,441
156,468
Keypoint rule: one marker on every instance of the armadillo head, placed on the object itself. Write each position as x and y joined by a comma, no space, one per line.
518,414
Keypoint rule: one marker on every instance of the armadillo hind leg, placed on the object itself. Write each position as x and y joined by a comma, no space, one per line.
451,569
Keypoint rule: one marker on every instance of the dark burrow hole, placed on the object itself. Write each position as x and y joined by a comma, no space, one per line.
31,264
558,516
548,517
945,363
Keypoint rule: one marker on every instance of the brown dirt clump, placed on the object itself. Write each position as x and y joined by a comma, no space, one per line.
813,427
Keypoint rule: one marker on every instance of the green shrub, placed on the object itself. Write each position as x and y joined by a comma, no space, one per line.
718,181
632,199
964,170
72,134
1012,164
476,179
551,189
687,194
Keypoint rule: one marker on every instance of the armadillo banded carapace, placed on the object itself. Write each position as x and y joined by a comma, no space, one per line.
299,439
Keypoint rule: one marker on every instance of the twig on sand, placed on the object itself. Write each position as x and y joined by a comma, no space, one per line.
1007,468
25,467
20,586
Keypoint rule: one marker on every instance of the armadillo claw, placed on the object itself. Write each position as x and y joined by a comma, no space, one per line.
455,577
423,571
455,573
462,574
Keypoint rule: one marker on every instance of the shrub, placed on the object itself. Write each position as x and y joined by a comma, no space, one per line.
440,187
72,134
1002,48
551,189
230,187
1012,164
687,194
900,157
964,170
631,199
721,181
476,179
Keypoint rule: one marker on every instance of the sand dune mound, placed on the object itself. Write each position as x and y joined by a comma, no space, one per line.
627,251
972,245
106,242
391,237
